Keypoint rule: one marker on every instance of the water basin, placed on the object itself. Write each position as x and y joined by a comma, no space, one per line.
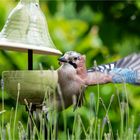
32,85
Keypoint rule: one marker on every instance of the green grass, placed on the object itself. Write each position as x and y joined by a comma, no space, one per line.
98,127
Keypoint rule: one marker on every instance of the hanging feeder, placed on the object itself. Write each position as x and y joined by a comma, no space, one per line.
26,30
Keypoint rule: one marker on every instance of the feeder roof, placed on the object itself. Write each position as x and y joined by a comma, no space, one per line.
25,47
26,29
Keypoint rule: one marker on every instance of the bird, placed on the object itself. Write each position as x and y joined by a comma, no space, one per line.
70,74
74,77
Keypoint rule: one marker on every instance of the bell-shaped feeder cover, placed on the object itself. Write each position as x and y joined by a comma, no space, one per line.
26,29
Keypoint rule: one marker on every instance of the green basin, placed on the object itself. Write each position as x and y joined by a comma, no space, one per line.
32,85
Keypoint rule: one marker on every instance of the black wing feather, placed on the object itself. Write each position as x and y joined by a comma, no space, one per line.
130,62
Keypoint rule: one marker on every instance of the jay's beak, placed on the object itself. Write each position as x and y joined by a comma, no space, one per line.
62,59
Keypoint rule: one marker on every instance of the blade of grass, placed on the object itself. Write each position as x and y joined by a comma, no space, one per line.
127,108
97,105
2,121
106,118
121,113
30,118
15,117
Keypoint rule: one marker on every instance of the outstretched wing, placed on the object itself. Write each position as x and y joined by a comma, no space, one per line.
124,70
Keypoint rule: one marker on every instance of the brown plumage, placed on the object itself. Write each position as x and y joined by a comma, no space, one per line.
73,78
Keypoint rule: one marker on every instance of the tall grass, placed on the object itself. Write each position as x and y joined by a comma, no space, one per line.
98,129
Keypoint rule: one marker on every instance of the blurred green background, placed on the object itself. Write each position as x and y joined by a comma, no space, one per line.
104,31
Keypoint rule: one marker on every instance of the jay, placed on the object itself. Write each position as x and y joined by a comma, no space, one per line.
74,77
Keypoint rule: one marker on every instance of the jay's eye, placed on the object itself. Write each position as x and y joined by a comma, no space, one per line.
75,58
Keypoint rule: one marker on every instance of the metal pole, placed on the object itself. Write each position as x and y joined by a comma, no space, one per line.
30,59
30,123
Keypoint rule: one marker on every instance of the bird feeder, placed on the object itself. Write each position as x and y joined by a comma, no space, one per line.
26,30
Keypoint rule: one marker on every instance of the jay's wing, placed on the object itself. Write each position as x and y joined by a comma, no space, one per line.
125,70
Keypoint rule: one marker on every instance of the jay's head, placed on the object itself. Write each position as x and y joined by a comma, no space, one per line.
73,58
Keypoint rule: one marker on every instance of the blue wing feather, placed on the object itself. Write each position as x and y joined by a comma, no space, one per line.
125,70
124,75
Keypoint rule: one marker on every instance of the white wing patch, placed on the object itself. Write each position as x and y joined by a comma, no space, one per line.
112,66
107,66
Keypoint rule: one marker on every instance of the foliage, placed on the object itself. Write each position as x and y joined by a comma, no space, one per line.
102,30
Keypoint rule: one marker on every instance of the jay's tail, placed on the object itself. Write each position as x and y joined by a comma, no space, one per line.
125,70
